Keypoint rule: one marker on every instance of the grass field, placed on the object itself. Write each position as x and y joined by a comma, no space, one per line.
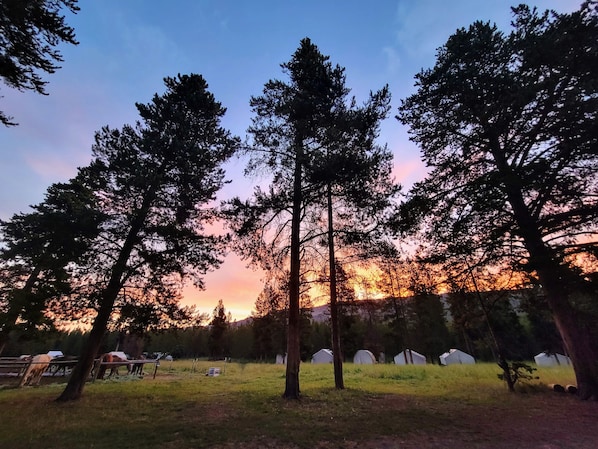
383,406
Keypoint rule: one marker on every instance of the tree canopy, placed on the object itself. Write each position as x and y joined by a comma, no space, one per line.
30,31
156,183
39,251
317,146
507,125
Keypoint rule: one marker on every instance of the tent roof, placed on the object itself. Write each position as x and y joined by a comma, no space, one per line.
415,353
454,351
549,354
409,356
364,356
327,351
548,359
322,356
456,355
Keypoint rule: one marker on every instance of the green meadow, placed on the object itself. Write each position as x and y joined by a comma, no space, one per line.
184,408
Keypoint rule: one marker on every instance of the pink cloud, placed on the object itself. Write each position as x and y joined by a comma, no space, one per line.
409,171
52,167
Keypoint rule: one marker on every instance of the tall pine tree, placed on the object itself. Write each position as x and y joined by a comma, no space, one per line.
156,183
507,126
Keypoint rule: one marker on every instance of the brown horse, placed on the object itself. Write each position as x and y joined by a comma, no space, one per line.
112,361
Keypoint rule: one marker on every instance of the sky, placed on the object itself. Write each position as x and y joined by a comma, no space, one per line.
126,48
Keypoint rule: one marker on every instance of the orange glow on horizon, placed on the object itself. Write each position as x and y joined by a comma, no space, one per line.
234,283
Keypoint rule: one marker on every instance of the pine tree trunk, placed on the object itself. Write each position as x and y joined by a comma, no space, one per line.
294,333
558,291
337,356
575,338
81,372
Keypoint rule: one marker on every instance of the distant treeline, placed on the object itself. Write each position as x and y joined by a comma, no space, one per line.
429,324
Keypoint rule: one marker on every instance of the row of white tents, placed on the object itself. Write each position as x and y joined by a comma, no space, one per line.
451,357
361,357
406,357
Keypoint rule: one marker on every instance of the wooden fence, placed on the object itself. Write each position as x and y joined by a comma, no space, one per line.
15,367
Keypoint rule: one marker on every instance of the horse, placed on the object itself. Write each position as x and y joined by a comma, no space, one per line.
33,374
111,360
137,368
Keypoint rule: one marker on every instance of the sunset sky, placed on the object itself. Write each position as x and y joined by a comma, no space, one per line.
127,48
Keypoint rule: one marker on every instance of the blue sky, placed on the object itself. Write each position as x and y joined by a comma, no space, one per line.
127,47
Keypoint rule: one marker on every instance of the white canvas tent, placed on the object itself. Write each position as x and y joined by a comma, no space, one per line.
281,359
364,357
55,354
456,357
322,356
548,359
409,357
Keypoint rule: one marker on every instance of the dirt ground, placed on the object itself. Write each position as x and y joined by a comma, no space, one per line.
538,421
558,421
553,422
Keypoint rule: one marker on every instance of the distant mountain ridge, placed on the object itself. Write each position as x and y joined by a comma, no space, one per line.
321,314
365,307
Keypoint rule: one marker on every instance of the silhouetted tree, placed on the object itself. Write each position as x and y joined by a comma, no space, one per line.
356,186
38,251
269,322
430,333
156,182
543,332
393,283
507,126
218,328
286,137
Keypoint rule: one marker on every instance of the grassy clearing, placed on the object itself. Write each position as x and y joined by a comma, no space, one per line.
183,408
